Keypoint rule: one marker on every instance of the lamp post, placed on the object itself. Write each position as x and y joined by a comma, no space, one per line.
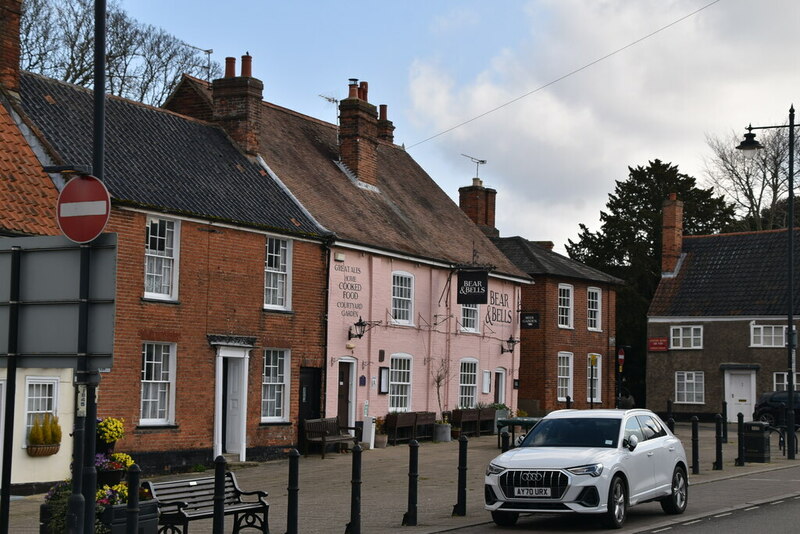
749,146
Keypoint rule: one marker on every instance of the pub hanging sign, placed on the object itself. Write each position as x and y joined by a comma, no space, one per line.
472,287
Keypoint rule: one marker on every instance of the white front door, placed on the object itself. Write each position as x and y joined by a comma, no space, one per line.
234,399
740,394
230,405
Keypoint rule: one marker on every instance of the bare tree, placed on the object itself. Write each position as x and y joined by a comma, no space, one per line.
440,376
143,62
757,187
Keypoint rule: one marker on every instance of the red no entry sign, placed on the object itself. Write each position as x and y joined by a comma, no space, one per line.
83,208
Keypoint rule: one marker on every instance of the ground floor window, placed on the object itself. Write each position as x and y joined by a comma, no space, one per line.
41,397
158,383
400,383
564,388
594,367
689,387
275,385
779,381
468,384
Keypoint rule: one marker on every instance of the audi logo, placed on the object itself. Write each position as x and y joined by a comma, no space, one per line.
531,477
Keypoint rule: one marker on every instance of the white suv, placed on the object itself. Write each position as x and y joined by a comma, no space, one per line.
589,462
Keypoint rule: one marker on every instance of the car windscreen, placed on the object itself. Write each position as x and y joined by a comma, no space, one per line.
574,432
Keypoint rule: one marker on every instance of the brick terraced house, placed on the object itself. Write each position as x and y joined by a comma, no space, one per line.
398,243
717,322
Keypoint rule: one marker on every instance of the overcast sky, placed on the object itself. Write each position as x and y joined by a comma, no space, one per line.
553,156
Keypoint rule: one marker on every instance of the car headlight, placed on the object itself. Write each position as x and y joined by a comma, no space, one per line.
493,469
594,470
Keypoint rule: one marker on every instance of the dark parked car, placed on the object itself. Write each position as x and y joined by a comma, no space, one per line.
770,405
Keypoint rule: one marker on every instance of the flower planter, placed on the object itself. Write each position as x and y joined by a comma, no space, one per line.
43,450
381,440
109,477
115,518
441,432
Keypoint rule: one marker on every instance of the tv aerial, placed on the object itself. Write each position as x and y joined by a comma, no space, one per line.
477,162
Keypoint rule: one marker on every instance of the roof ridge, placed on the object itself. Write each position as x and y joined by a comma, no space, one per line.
748,232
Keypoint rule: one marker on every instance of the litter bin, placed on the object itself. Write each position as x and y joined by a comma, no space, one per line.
756,442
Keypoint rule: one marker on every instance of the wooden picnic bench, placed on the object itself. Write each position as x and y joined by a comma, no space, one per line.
182,501
467,419
328,431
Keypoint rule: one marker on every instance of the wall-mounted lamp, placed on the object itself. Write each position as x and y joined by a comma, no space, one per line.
360,328
508,345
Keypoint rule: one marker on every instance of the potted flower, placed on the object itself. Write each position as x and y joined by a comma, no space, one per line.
44,437
440,376
111,467
381,438
109,431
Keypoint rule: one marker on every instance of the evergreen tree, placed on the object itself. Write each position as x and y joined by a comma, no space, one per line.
628,246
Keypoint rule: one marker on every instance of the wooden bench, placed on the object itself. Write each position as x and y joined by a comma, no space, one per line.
486,420
397,421
181,501
466,417
328,431
423,425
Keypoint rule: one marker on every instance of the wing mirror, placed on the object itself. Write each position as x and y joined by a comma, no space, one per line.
631,442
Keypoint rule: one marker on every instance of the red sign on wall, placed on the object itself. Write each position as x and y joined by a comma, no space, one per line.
657,344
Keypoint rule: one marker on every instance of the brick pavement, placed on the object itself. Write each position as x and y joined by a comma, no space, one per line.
325,485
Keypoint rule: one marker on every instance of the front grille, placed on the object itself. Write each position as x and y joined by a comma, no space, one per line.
541,478
537,506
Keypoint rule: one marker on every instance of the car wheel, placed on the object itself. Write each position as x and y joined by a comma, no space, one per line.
505,519
679,497
617,504
767,418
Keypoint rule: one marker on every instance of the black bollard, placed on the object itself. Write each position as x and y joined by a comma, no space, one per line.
460,508
671,424
294,489
132,510
354,526
740,434
669,409
695,446
505,439
725,421
410,517
569,402
219,495
718,461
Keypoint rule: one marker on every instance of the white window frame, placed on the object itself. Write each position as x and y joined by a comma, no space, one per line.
470,318
280,273
697,395
467,383
779,381
564,374
486,386
398,298
169,383
594,307
759,335
279,386
169,258
686,337
565,305
598,374
400,381
38,410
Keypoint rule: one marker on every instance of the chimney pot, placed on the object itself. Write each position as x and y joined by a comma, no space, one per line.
247,66
477,182
363,87
353,87
382,112
230,67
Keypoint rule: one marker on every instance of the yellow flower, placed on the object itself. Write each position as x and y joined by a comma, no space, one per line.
111,429
122,458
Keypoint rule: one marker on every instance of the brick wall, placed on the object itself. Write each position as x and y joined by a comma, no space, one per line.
9,43
220,292
540,347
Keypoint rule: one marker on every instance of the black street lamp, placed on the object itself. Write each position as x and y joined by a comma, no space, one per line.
749,146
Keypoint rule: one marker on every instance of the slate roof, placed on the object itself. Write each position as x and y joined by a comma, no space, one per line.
742,274
536,260
27,195
409,213
159,160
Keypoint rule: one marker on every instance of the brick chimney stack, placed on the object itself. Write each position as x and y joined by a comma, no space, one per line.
10,11
358,133
478,203
672,233
237,104
385,126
